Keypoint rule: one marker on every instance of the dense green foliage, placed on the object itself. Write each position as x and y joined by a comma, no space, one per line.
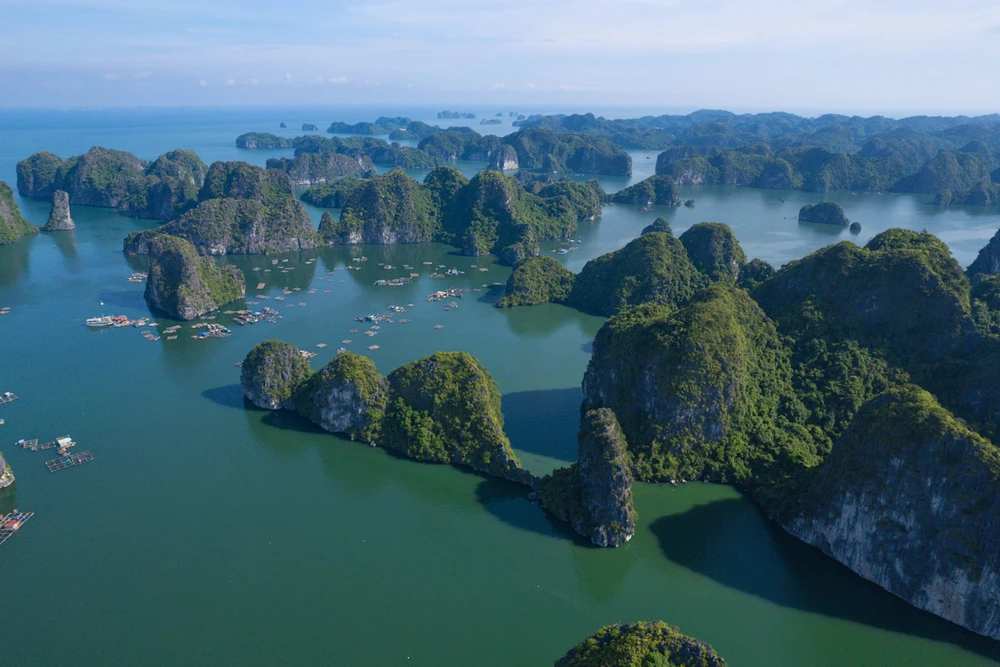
377,150
653,268
718,383
714,250
754,273
642,644
460,144
550,151
561,497
382,125
985,302
331,195
658,225
653,191
446,408
314,168
571,199
827,213
275,369
393,202
538,280
12,224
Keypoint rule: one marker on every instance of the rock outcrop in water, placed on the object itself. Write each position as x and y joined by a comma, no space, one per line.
594,494
641,645
444,408
271,373
12,224
184,285
263,140
538,280
910,499
653,191
309,127
59,218
6,474
347,396
825,213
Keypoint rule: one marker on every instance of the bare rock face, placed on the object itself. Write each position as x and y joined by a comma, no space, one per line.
271,373
988,261
59,218
347,396
504,159
605,480
184,285
909,499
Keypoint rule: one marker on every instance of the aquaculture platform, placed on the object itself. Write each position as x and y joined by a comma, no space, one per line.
11,523
7,397
33,446
69,461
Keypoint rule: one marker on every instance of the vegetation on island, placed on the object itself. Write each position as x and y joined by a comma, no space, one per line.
331,195
316,168
826,213
184,285
713,249
13,225
641,644
378,151
538,280
444,408
263,140
652,191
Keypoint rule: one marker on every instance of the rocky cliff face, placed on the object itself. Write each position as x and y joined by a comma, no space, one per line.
641,644
347,396
59,218
504,159
910,499
826,213
12,224
605,480
271,373
987,263
184,285
235,227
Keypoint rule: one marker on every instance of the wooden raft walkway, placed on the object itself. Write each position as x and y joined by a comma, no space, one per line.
7,398
33,446
69,461
15,517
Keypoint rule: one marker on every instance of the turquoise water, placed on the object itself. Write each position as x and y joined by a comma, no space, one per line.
207,533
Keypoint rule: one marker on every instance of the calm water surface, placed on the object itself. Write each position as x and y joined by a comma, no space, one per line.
207,533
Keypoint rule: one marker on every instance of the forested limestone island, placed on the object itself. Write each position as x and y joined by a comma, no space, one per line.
444,408
184,285
451,115
824,213
263,140
489,214
322,168
309,127
13,225
160,190
241,209
640,645
655,268
851,388
383,125
491,121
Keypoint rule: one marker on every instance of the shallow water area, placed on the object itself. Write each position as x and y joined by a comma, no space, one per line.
206,532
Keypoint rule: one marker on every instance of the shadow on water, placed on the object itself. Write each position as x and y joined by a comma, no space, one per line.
125,299
14,262
65,241
731,542
509,502
544,422
8,499
229,396
602,571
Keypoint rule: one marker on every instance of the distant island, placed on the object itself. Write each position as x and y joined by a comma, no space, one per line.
456,114
639,645
826,213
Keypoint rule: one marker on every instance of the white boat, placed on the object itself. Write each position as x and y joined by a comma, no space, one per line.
99,322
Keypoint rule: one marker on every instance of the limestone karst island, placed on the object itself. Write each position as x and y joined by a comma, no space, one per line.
577,334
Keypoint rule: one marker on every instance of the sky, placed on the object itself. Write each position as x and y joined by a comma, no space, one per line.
889,56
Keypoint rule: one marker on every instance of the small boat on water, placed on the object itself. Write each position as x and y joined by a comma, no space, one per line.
100,322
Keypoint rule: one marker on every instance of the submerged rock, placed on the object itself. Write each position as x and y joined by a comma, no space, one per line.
641,644
910,498
184,285
826,213
271,373
59,218
347,396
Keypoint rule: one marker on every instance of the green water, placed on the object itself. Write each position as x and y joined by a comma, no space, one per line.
207,533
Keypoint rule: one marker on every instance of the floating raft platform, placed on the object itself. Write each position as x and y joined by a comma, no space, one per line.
11,523
7,397
28,444
69,461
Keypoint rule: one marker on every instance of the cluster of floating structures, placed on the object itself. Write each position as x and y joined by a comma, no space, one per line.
449,273
392,282
211,330
137,278
453,293
265,314
117,322
4,310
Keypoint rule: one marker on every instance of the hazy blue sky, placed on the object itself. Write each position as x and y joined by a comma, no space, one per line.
764,54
